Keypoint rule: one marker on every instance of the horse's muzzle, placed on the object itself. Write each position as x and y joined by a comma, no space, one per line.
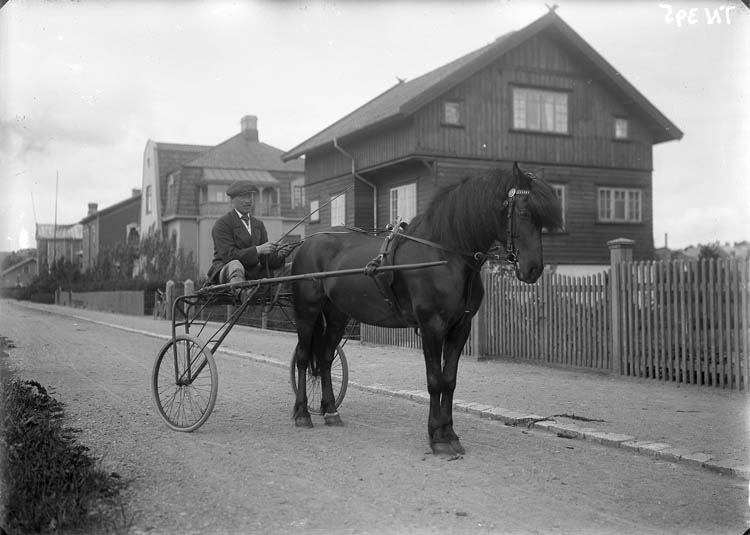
529,275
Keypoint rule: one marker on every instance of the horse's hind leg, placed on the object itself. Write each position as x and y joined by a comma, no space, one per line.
309,321
335,327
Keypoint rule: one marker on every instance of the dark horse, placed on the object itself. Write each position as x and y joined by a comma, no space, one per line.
460,225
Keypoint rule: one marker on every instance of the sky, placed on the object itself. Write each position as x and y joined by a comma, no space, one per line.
85,84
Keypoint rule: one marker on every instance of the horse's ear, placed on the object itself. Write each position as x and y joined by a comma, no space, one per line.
517,173
521,177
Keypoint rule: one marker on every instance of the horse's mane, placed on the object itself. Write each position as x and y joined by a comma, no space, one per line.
469,216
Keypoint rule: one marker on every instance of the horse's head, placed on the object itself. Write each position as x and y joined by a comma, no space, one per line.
530,205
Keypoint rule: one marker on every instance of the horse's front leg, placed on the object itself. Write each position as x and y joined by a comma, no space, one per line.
452,347
432,349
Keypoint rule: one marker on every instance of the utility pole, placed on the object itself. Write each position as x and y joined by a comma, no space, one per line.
54,233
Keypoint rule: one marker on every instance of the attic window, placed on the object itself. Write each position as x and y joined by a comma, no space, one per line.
621,128
540,110
453,111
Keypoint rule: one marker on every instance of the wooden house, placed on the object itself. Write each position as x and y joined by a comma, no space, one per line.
119,223
540,96
20,274
55,242
192,189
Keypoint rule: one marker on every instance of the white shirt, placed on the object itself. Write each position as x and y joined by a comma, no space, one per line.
247,225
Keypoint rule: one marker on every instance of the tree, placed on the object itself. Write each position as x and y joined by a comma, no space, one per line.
709,252
160,259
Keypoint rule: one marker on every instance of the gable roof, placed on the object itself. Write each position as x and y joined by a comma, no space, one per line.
133,199
50,231
405,98
18,265
243,152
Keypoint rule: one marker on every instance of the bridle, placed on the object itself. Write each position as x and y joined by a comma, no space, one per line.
510,246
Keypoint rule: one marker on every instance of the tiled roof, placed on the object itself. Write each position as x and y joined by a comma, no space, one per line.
405,98
47,231
242,152
261,178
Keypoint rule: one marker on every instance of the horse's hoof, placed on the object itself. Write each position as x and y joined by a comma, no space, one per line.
442,448
303,421
333,419
457,447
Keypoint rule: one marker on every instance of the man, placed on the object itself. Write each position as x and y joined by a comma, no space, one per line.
241,247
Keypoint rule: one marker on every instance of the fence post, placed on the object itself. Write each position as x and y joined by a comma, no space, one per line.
169,299
189,287
620,251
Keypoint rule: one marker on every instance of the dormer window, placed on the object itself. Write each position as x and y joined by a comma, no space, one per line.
453,111
621,128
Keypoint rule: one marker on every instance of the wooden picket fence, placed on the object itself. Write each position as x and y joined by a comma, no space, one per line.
685,321
673,321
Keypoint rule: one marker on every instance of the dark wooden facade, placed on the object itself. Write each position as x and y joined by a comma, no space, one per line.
417,147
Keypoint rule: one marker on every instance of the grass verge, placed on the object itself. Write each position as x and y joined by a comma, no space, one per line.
50,483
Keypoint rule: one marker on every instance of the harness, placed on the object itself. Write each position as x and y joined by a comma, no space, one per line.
475,260
509,203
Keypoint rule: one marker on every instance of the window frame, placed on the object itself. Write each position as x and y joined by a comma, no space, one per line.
338,210
149,199
298,193
539,91
315,211
562,188
393,216
460,110
616,133
631,214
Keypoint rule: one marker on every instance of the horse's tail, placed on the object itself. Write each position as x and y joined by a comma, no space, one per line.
318,345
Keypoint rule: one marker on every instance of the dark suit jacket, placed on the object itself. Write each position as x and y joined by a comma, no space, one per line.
232,242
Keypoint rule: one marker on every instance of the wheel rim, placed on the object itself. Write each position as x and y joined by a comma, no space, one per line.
185,384
339,380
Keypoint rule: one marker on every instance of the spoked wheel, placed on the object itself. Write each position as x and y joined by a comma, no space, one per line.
185,382
339,378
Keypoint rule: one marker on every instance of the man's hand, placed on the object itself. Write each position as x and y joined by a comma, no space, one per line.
266,248
284,250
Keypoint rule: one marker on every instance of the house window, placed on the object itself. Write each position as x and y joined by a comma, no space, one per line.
314,211
453,112
131,233
221,196
149,199
621,128
298,193
338,211
620,205
540,110
404,203
562,195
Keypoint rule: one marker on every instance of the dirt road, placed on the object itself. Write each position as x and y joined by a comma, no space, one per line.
249,470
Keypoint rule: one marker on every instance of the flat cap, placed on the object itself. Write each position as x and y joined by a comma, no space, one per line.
242,187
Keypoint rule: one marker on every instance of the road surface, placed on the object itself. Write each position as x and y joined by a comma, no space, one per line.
249,470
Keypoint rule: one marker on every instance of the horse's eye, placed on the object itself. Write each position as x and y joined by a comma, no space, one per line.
523,214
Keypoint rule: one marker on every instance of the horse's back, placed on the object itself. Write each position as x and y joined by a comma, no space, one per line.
357,296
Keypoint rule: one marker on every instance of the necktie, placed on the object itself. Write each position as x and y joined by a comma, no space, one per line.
245,218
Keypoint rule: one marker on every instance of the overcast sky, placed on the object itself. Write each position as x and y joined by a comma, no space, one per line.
84,85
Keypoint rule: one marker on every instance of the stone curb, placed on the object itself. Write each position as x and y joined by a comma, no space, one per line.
511,418
660,450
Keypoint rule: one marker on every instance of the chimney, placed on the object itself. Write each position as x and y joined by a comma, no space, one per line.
249,125
92,208
136,192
